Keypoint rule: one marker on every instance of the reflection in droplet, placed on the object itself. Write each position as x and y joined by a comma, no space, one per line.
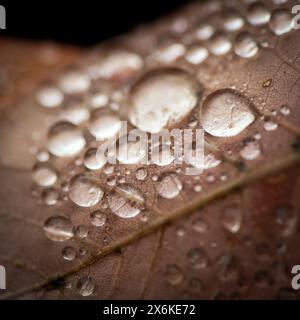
86,286
169,186
281,22
84,190
65,140
245,46
44,176
231,218
226,113
162,98
126,201
58,228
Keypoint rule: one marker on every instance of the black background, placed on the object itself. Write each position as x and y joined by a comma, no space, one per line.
80,22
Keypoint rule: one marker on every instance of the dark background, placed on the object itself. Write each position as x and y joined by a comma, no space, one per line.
83,23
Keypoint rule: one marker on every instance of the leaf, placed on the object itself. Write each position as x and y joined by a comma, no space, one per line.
231,232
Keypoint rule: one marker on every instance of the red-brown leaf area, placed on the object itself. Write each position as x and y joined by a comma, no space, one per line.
151,256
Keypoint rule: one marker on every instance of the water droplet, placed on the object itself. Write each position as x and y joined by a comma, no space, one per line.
197,258
65,140
232,21
245,46
162,98
196,55
270,125
169,186
75,113
50,196
91,161
118,63
126,201
281,22
258,14
49,97
197,188
98,100
141,174
69,253
86,286
132,152
98,218
199,225
44,176
220,44
58,228
174,274
162,155
73,82
180,232
81,231
231,218
84,190
43,156
169,53
210,178
226,113
285,110
250,151
105,126
204,32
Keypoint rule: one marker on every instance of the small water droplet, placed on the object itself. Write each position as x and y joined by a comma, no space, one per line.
174,274
232,21
58,228
231,218
245,46
74,82
65,140
44,176
250,151
84,190
196,55
105,126
197,258
169,186
199,225
50,196
141,174
82,231
204,32
49,97
270,125
86,286
226,113
220,44
91,161
258,14
285,110
69,253
98,218
197,188
43,156
170,53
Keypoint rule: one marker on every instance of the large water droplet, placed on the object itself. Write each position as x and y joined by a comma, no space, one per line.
58,228
281,22
226,113
245,46
44,176
84,190
169,186
126,201
162,98
65,140
86,286
231,218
